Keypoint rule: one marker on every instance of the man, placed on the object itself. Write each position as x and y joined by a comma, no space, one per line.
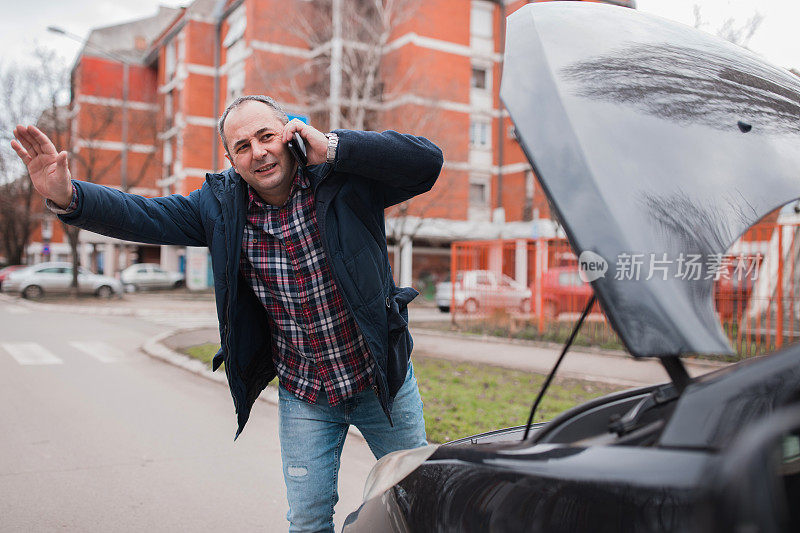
301,277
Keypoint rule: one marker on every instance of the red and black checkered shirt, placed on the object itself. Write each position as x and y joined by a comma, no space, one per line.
316,340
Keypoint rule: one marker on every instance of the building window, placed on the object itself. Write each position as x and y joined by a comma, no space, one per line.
168,168
480,78
235,81
168,153
237,22
235,53
47,228
481,23
530,188
170,59
479,191
479,134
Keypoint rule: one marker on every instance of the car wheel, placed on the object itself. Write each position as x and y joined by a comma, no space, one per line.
104,291
32,292
525,306
444,308
471,306
178,284
130,287
550,310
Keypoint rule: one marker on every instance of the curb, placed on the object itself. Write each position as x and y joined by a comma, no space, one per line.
157,350
589,350
79,309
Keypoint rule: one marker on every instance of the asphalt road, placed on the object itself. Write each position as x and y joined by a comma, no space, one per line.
96,436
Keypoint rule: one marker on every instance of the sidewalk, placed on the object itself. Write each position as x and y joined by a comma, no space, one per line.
593,366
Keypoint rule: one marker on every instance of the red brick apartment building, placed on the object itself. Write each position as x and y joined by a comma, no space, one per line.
429,67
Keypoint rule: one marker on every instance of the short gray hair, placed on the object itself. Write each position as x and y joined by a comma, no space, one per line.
269,101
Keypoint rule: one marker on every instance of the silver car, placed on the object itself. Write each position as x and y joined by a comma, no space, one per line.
478,290
55,278
150,276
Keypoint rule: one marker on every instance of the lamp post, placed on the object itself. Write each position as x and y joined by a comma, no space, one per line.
125,85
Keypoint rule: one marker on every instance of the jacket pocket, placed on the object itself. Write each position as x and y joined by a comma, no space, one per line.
364,273
400,342
366,217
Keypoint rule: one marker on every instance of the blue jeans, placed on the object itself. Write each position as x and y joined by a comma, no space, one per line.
312,436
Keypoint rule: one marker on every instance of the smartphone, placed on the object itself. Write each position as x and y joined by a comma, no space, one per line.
298,148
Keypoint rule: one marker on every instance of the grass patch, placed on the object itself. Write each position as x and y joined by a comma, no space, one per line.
463,399
755,340
591,333
203,352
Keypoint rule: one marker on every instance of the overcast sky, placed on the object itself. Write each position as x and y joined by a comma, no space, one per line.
776,38
24,22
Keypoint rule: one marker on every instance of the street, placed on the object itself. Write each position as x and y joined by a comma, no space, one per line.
99,437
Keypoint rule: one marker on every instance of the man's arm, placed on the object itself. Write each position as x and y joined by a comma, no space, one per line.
404,164
170,220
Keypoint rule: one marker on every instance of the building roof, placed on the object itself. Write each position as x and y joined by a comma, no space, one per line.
130,40
203,10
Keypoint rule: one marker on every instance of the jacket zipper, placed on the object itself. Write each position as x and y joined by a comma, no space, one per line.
375,374
228,299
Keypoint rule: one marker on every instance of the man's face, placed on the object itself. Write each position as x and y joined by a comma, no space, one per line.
257,152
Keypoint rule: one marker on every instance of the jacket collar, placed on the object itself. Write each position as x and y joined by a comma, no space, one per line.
228,181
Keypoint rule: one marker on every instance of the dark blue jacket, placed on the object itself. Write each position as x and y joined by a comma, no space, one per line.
372,171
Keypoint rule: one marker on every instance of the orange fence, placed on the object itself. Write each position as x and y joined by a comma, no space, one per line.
532,289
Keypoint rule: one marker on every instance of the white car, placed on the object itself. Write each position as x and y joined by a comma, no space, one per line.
150,276
477,290
56,278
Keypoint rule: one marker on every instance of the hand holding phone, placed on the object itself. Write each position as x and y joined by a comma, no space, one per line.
298,148
310,144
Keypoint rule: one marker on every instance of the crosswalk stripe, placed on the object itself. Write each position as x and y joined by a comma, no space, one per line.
31,353
17,310
102,351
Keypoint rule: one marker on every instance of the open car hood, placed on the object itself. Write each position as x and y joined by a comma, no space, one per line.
650,137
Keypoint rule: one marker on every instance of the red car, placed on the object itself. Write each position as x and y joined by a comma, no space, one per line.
563,291
731,296
8,270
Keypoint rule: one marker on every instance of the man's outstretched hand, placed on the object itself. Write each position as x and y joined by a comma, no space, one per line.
49,169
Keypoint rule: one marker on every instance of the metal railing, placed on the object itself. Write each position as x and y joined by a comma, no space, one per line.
531,289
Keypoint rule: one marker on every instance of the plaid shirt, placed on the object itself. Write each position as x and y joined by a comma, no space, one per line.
317,341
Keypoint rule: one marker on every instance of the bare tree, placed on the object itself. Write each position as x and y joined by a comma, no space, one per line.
16,221
372,86
25,93
731,30
361,29
95,163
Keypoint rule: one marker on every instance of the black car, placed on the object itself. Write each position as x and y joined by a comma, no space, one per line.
651,140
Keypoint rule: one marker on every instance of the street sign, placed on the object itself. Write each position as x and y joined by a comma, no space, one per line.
301,118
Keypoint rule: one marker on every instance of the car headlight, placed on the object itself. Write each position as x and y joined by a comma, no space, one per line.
393,467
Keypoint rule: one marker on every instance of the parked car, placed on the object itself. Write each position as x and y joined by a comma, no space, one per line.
150,276
478,290
651,140
732,296
563,291
8,270
56,278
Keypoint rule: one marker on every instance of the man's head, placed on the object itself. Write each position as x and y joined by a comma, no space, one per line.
251,129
